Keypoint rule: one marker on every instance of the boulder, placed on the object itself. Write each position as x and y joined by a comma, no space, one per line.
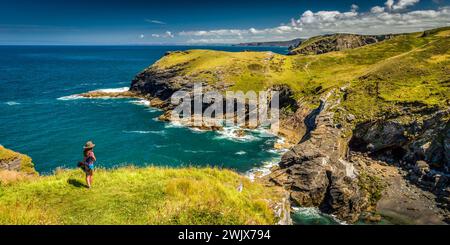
421,167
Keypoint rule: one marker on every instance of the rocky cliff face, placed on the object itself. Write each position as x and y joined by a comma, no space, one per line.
13,161
158,85
315,171
318,171
336,42
417,141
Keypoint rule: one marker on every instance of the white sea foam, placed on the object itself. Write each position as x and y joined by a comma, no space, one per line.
197,130
12,103
264,170
277,151
173,124
113,90
71,97
315,213
105,90
240,153
199,151
141,102
312,212
231,133
145,132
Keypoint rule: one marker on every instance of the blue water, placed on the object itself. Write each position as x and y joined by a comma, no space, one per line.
33,121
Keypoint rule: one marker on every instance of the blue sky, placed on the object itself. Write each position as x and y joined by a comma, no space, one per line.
206,22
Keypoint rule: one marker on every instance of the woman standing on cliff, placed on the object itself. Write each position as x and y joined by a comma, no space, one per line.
88,161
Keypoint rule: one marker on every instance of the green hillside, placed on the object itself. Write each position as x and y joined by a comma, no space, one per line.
410,68
138,196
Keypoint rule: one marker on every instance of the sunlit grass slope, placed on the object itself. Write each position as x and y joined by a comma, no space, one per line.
26,164
138,196
405,69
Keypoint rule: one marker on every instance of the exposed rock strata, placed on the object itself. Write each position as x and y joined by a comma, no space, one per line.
315,170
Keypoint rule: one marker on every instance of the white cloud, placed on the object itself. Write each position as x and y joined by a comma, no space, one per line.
167,34
393,18
377,10
389,4
156,22
400,5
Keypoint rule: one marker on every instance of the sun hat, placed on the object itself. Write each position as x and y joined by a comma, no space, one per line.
89,145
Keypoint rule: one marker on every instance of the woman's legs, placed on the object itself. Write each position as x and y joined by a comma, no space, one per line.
88,180
89,173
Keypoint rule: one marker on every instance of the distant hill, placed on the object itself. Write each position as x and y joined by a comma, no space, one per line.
290,43
336,42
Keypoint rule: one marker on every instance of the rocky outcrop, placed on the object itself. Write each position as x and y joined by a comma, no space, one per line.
336,42
159,85
315,171
110,95
14,161
408,140
417,142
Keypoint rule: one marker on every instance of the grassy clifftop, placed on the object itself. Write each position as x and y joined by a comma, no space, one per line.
12,160
138,196
410,68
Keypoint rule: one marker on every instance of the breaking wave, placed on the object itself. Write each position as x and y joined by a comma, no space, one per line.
71,97
145,132
112,90
105,90
232,133
12,103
